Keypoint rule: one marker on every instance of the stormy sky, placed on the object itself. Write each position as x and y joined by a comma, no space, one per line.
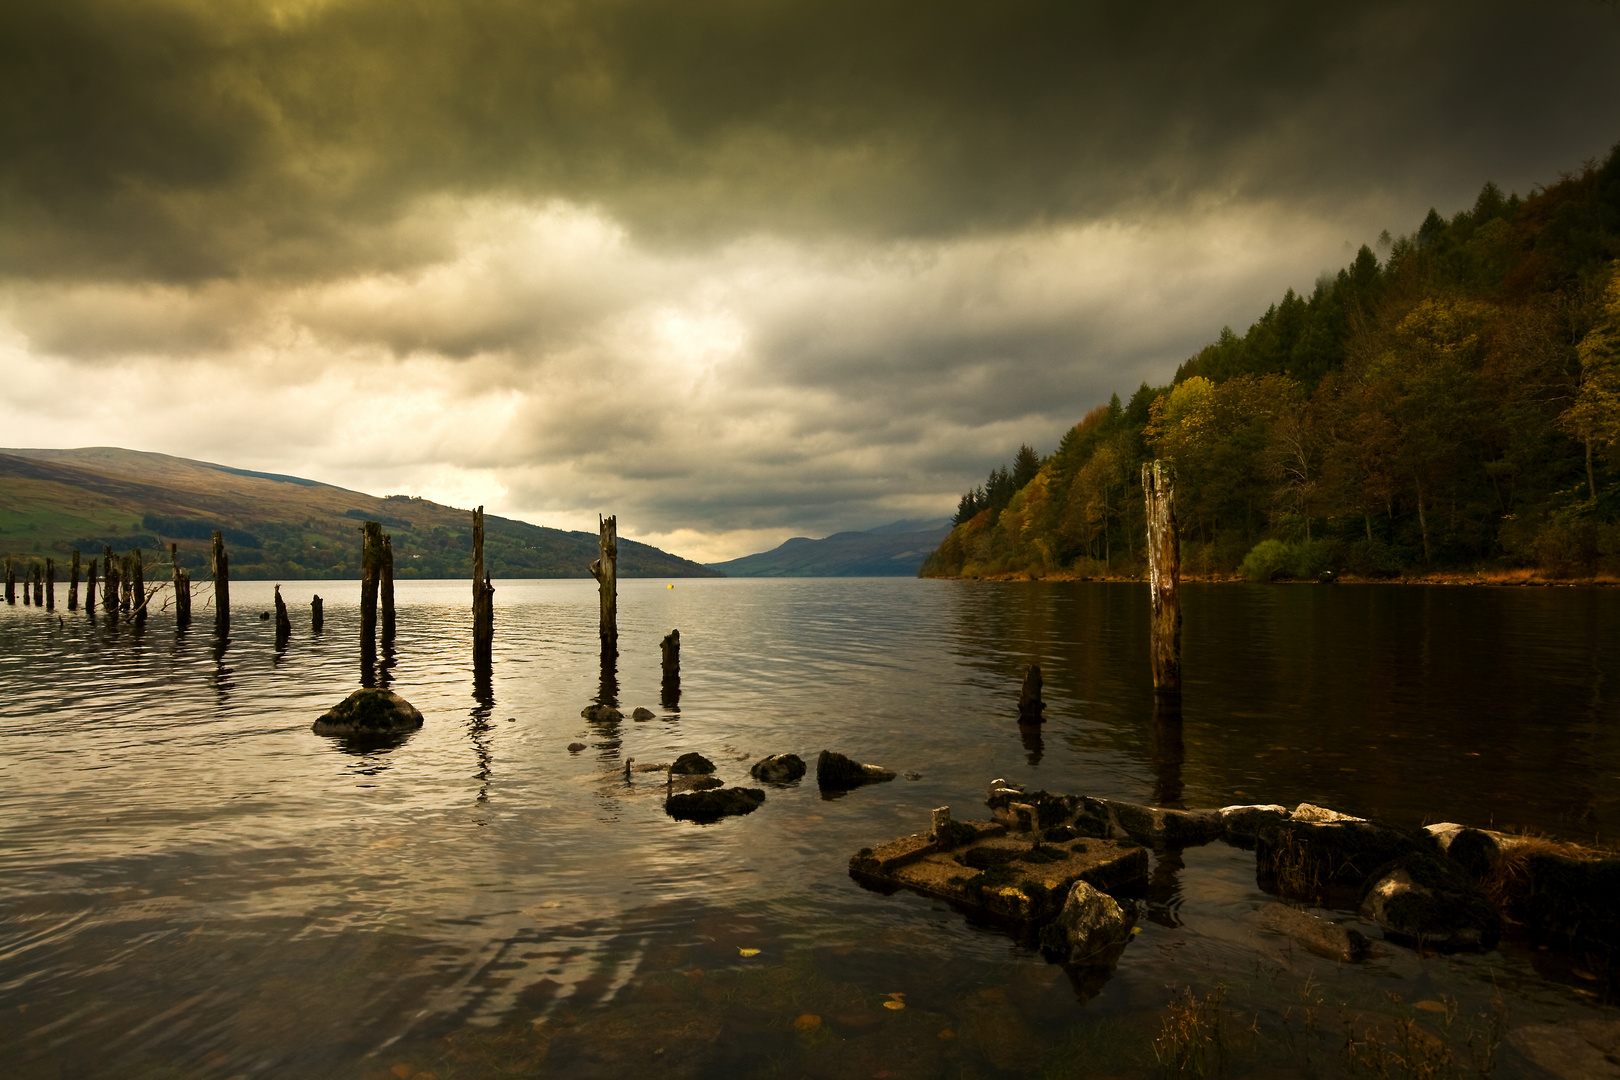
734,270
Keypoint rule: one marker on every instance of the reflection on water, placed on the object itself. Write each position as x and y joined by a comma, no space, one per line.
189,877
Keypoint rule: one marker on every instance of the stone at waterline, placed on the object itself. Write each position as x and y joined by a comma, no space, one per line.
714,804
642,713
835,772
575,747
601,714
1090,925
1342,943
778,768
369,712
1420,900
689,764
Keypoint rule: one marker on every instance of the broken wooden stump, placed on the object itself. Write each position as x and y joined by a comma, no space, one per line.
385,584
370,576
317,615
670,649
11,583
90,590
109,580
1030,705
73,585
137,586
483,602
50,584
182,590
283,624
606,572
1164,575
222,586
39,585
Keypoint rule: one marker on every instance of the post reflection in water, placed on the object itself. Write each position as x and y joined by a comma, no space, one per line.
221,677
1166,748
478,729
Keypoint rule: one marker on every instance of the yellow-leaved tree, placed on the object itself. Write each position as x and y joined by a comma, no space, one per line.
1594,419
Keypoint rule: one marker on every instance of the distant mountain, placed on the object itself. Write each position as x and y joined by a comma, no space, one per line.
894,550
52,501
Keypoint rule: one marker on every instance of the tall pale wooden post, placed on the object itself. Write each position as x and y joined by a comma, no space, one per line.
222,586
1164,574
606,572
483,601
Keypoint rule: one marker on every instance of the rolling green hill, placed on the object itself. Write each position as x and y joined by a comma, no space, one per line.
52,501
894,550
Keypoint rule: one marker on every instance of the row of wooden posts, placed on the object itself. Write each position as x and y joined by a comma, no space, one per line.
124,589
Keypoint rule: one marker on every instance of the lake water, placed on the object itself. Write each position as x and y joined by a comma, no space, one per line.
192,884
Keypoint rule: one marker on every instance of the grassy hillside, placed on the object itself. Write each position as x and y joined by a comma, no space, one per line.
895,550
52,501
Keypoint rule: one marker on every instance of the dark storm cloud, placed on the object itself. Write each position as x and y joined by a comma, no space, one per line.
182,141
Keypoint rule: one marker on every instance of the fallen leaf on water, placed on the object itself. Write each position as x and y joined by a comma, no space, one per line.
1136,930
747,952
1429,1006
947,1035
894,1004
898,995
807,1022
1587,975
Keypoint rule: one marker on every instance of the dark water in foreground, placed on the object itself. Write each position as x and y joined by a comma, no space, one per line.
194,885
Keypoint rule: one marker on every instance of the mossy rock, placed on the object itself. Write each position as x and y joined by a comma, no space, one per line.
369,712
706,806
691,765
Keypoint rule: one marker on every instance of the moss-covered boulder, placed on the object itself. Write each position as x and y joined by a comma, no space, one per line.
372,712
1419,899
705,806
778,769
693,764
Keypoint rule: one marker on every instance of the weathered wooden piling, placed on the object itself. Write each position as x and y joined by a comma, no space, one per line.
182,590
671,649
1030,705
126,578
317,615
50,584
370,570
73,585
283,623
483,600
606,572
1164,574
221,565
386,584
39,585
138,586
11,583
90,591
109,580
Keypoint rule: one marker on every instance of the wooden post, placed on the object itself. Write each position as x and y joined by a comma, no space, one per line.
50,584
317,615
138,586
483,601
109,580
73,586
182,590
222,587
671,648
387,584
1030,705
283,624
370,568
126,577
1164,574
90,591
11,582
606,572
39,585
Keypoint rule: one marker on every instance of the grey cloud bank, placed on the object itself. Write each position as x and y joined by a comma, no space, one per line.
734,270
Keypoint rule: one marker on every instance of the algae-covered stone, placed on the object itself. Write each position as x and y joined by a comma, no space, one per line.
778,768
714,805
692,764
369,712
1089,926
836,772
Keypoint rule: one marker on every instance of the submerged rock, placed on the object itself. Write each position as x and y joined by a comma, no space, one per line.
835,772
643,714
714,804
601,714
690,764
369,712
778,768
1346,944
1090,924
1421,900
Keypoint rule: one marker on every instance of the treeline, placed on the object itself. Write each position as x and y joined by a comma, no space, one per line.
1455,405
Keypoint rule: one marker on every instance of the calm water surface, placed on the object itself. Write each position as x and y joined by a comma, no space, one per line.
193,884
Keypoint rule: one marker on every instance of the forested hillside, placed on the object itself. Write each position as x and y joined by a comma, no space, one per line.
1453,405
